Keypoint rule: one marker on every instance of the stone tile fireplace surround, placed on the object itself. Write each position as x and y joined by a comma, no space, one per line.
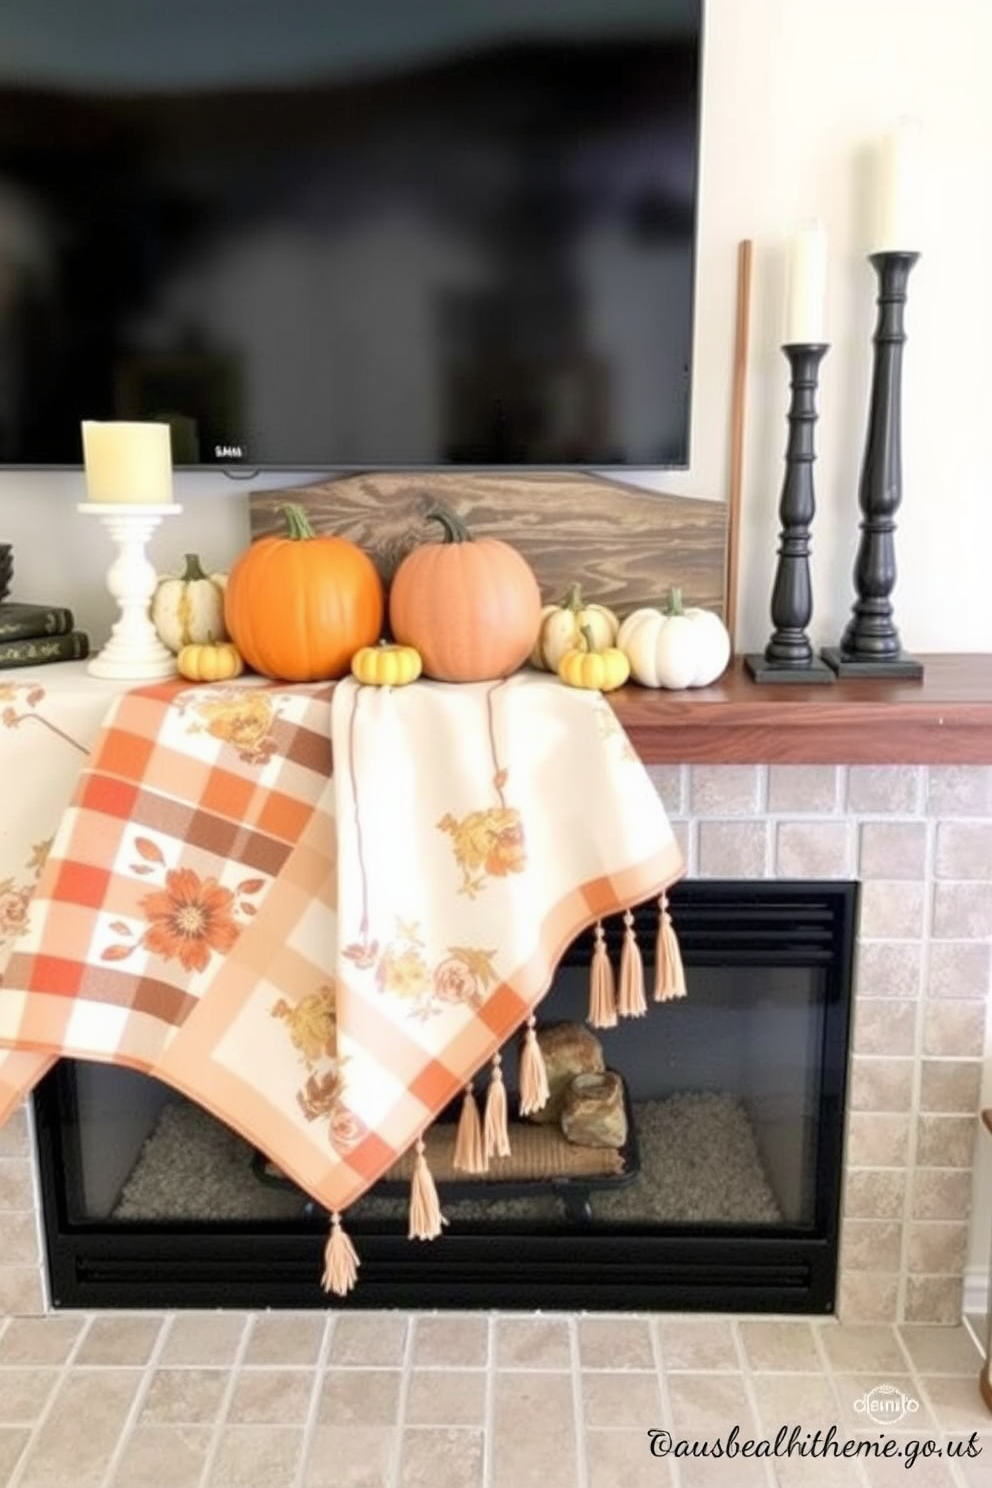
919,838
920,841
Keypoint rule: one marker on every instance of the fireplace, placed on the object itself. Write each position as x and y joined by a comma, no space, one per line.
724,1195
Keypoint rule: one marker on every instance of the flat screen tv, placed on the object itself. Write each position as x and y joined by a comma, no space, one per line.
350,233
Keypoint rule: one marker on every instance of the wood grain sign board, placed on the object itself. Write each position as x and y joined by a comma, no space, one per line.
624,545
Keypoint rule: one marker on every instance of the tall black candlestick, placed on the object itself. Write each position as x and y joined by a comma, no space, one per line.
870,645
788,657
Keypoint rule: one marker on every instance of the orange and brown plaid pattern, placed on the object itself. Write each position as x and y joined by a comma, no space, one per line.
184,815
323,959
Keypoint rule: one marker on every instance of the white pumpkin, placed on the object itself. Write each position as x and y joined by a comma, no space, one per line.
674,647
188,609
562,626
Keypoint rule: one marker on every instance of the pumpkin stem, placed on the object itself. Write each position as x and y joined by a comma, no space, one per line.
572,599
455,530
673,605
297,522
587,638
193,570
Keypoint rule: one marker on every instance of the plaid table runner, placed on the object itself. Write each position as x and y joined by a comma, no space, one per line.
325,958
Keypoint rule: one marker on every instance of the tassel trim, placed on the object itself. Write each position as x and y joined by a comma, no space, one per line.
631,1002
470,1148
602,986
341,1261
496,1136
534,1091
669,973
426,1219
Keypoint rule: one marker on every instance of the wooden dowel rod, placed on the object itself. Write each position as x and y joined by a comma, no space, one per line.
738,410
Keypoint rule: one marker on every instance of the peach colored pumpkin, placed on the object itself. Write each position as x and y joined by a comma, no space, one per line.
471,606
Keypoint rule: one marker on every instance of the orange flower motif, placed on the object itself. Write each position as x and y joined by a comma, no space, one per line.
506,852
485,843
189,918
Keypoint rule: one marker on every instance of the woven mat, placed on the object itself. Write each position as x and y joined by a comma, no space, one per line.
537,1153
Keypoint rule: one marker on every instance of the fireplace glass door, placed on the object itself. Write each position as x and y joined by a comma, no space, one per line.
689,1158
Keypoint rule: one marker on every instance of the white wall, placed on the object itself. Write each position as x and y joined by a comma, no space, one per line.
795,94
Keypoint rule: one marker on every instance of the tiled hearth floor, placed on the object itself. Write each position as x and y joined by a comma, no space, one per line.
391,1400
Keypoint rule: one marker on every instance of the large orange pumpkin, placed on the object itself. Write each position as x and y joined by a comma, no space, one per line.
298,605
470,606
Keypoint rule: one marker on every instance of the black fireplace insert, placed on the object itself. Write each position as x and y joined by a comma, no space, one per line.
724,1194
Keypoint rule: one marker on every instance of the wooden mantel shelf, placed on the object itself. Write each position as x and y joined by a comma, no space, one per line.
945,719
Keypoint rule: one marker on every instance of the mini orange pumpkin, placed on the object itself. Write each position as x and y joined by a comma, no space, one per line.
471,607
298,605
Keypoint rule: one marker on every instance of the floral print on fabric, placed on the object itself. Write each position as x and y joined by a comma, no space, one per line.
189,918
486,844
312,1027
15,895
29,695
240,718
402,970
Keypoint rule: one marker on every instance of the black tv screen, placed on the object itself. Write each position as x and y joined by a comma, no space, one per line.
350,233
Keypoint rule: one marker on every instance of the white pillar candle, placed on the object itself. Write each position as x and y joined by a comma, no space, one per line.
127,463
806,286
898,211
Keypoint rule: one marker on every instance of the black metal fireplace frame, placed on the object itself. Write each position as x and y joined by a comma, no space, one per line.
717,1268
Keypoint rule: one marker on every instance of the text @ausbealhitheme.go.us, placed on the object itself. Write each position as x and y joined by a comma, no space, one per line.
794,1441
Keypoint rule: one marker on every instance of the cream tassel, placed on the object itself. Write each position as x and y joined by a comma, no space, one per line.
631,1002
602,988
497,1137
426,1219
534,1090
669,974
341,1261
470,1151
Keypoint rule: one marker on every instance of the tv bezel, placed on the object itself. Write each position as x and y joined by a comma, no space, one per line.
616,470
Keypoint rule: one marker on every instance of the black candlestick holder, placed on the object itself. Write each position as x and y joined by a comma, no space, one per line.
788,657
870,645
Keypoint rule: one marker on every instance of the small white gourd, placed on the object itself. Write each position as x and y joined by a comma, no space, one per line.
675,647
188,609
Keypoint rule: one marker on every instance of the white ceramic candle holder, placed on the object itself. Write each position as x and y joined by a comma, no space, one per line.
134,650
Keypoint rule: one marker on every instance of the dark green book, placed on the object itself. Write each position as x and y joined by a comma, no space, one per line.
18,620
37,650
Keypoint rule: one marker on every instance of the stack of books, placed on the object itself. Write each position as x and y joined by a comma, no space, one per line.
33,634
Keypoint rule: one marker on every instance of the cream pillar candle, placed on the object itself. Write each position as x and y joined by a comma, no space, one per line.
127,463
806,286
899,207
